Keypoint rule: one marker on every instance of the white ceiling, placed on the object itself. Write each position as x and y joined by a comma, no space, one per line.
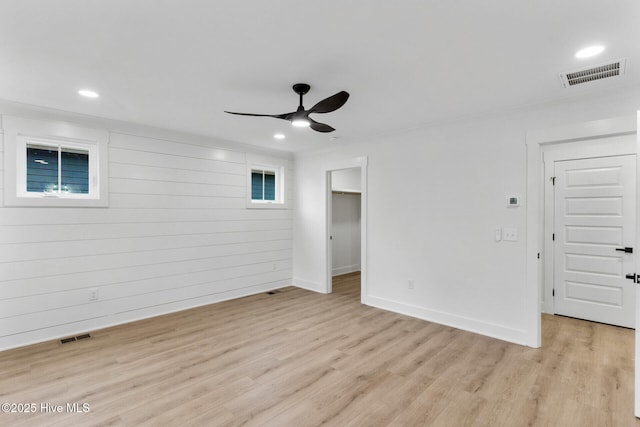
178,64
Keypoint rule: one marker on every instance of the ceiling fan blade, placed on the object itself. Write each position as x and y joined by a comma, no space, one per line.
319,127
286,116
331,103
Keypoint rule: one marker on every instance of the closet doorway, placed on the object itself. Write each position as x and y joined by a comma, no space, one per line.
345,225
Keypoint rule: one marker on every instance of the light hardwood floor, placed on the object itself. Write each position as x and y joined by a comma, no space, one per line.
297,358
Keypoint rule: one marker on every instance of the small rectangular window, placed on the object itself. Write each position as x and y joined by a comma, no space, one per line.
263,185
57,170
54,164
266,182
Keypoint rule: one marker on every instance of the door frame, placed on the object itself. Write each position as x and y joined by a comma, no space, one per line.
637,334
537,142
577,150
330,230
358,162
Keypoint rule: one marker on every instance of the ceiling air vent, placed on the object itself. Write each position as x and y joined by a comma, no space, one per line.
597,72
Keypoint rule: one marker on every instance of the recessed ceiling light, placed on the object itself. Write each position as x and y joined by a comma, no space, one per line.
590,51
279,136
88,93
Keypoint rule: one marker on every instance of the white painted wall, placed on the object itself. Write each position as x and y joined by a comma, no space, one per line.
176,235
346,180
345,250
435,196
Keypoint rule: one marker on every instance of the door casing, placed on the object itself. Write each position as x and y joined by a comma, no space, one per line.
357,162
538,141
583,149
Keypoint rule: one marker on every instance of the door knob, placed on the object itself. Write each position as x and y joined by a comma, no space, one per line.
633,277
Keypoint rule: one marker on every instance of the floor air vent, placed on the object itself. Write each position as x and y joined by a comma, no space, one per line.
598,72
74,339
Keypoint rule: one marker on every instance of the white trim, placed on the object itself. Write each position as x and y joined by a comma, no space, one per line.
329,236
18,132
616,145
500,332
345,270
91,148
357,162
637,334
309,285
581,131
273,164
535,141
91,325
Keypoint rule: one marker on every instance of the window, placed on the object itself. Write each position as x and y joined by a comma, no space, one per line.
265,182
54,164
57,170
263,185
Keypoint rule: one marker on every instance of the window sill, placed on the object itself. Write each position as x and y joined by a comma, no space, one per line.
56,201
266,205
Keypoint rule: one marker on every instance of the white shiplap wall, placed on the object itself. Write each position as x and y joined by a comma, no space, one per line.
176,235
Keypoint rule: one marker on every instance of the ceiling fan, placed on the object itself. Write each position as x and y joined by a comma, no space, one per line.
300,117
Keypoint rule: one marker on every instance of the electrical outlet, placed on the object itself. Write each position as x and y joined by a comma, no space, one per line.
93,294
410,284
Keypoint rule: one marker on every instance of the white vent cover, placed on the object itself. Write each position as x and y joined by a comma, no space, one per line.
596,72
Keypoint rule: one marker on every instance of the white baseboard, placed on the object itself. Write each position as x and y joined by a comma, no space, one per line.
76,328
309,285
492,330
337,271
345,270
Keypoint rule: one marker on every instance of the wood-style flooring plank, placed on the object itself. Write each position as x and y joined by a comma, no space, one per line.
297,358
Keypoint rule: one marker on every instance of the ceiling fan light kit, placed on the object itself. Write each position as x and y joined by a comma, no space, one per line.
300,117
300,123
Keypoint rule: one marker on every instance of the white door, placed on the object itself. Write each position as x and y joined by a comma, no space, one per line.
594,224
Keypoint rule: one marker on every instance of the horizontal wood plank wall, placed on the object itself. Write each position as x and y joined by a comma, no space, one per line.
176,235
